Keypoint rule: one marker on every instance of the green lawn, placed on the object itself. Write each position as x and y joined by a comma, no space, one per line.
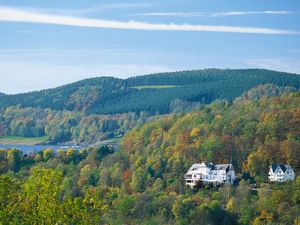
154,87
9,140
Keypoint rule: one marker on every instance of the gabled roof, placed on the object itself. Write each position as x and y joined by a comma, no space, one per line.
198,165
222,166
195,166
274,167
226,167
283,167
209,165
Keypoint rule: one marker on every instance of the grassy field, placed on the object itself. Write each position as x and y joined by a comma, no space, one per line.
154,87
11,140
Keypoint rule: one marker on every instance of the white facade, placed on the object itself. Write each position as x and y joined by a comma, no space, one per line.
281,173
210,173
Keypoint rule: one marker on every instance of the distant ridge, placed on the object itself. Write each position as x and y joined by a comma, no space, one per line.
152,93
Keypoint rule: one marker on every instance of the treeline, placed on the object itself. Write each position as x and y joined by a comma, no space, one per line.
79,95
191,77
107,95
143,182
64,126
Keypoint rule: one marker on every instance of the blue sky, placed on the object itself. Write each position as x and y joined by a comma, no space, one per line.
53,42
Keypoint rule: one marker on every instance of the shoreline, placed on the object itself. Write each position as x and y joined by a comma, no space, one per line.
44,141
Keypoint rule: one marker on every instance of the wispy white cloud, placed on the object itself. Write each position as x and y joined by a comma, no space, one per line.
24,31
83,11
24,15
105,7
244,13
172,14
212,14
291,65
125,5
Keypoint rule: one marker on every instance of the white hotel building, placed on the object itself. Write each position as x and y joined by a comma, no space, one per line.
210,173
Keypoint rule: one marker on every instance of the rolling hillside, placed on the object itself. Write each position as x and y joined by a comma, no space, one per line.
151,93
143,183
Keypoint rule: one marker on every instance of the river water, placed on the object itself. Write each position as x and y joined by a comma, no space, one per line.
35,148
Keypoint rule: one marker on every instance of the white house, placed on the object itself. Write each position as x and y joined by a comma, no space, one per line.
210,173
281,173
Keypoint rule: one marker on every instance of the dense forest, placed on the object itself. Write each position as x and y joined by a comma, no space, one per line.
77,127
107,95
143,182
66,126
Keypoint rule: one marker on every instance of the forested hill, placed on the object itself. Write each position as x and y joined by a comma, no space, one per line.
143,182
1,94
152,93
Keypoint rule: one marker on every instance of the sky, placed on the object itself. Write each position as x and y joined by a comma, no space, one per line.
49,43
